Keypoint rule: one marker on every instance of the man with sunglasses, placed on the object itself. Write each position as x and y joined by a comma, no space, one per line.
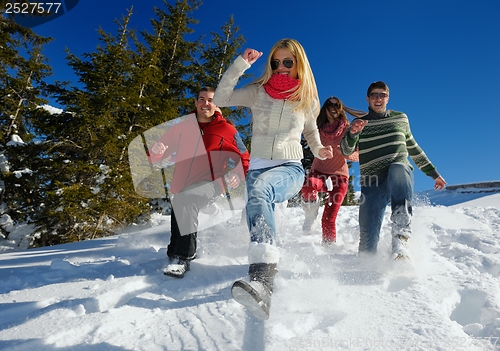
385,141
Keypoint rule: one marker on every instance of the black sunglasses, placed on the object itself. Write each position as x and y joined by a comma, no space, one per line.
336,105
378,95
288,63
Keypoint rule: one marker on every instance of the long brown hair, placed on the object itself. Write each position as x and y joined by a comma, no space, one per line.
323,117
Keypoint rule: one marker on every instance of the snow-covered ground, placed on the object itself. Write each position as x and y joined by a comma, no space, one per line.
110,294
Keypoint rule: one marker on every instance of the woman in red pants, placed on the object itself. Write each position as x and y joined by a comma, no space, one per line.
330,176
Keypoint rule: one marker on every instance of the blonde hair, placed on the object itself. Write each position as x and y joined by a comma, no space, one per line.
307,93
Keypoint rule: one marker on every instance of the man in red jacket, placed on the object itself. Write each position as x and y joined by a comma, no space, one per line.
202,144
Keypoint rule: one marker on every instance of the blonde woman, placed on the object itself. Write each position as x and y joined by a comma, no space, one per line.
284,104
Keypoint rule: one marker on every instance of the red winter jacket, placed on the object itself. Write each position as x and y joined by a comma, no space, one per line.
202,153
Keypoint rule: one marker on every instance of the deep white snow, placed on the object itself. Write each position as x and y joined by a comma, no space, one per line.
110,294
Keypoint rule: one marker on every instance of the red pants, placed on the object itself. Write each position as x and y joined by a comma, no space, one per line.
315,183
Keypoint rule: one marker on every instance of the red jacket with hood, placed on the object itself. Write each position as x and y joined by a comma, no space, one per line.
202,152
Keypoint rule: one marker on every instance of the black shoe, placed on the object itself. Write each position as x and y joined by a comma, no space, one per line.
177,269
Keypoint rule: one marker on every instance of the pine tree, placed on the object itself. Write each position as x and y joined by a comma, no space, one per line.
76,182
217,56
22,71
127,87
195,63
176,55
94,194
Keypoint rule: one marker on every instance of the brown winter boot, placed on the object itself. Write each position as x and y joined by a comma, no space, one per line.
255,295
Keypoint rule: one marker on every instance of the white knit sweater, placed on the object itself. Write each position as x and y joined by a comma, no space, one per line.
277,128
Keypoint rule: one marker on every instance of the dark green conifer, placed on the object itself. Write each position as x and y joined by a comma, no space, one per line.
23,69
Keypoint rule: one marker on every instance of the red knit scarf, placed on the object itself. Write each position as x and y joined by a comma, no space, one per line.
332,131
277,86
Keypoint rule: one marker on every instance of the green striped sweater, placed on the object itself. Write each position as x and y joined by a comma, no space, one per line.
385,140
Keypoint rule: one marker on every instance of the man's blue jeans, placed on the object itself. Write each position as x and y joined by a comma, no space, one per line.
397,188
265,187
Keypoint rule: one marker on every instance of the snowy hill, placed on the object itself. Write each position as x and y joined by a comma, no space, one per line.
110,294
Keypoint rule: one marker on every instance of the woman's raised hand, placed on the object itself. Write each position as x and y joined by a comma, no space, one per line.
251,55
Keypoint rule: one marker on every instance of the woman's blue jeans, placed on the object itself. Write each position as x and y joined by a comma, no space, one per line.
397,188
265,187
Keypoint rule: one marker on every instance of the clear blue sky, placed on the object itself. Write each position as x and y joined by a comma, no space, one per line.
440,58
